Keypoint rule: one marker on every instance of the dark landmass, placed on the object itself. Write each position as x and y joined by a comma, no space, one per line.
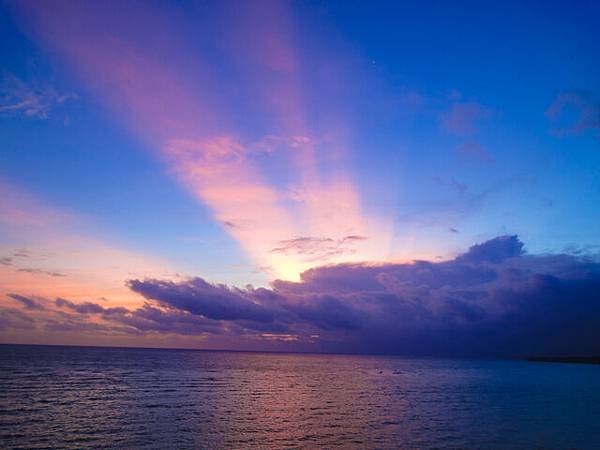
566,359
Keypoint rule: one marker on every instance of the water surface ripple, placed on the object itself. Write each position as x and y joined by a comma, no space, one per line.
69,397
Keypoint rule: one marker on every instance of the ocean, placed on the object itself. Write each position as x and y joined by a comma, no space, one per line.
89,397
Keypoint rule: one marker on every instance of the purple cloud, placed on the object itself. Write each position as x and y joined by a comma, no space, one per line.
495,299
28,302
196,296
88,307
11,318
6,261
150,319
494,250
35,271
463,118
575,112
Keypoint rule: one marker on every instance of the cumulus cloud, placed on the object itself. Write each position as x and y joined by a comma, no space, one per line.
196,296
494,299
494,250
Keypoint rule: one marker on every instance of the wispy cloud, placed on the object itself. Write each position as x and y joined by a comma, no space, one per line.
318,248
452,183
35,271
18,98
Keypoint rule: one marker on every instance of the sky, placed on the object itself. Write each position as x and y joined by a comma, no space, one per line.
417,178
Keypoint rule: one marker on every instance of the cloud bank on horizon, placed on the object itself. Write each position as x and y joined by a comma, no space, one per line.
494,299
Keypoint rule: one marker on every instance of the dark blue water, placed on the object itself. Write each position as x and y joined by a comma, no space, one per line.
68,397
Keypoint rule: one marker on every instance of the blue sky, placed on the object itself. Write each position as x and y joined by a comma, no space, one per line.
248,144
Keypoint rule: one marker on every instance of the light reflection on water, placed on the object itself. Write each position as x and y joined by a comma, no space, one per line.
66,397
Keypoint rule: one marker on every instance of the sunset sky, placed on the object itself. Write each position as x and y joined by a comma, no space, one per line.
403,177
